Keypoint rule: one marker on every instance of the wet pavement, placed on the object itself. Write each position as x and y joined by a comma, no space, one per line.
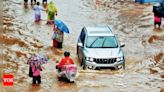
133,25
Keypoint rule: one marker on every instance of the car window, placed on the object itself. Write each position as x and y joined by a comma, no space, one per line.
101,42
82,36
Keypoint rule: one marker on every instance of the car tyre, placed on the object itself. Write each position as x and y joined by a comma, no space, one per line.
60,78
124,66
70,81
83,63
124,63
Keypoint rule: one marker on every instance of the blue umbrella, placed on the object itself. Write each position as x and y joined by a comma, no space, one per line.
61,26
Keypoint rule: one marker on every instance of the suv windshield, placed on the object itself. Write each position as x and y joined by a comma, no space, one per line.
101,42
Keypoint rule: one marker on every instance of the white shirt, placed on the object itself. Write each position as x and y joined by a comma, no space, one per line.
37,9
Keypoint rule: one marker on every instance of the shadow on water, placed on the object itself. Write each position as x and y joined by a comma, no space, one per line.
38,23
34,88
157,30
63,85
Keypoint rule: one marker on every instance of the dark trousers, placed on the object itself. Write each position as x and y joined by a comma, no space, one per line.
30,72
157,23
36,79
59,44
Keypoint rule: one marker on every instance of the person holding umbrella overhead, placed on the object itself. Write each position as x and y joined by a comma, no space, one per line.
60,39
59,28
35,62
36,68
52,11
30,62
55,36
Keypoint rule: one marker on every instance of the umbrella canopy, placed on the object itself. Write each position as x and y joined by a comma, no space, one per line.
37,60
61,26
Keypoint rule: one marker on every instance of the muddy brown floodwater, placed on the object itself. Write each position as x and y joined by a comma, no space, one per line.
131,22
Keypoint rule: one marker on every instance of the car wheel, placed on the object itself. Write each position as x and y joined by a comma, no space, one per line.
71,81
124,63
120,67
60,78
124,66
83,65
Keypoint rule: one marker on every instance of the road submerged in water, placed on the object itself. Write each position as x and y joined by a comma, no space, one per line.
132,23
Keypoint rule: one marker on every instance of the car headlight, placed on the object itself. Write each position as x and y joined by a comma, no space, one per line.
89,59
119,59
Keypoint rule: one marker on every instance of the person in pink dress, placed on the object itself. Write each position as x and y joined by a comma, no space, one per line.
36,69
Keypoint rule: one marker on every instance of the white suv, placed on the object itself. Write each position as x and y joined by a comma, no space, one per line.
97,48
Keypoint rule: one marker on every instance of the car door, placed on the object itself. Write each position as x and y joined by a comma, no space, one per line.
80,48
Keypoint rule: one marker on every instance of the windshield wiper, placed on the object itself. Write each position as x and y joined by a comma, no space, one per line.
93,42
103,43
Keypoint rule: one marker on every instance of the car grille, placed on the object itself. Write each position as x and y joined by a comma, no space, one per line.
105,61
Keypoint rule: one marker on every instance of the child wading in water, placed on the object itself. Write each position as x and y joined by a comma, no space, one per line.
36,73
37,8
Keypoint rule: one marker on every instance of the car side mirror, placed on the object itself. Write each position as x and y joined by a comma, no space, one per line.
122,45
80,44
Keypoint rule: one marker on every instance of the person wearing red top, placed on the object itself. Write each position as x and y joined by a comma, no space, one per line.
157,21
65,61
157,18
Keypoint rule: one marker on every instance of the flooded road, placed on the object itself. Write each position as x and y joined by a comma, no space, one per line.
133,25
